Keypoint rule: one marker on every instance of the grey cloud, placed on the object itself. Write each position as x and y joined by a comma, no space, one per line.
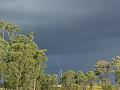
77,30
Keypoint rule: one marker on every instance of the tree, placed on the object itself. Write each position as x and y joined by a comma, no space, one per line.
116,69
91,78
10,28
48,82
21,61
68,78
82,79
103,69
106,84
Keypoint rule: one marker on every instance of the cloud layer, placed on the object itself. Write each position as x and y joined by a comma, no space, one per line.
76,33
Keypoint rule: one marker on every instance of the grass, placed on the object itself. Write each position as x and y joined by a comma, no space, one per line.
79,88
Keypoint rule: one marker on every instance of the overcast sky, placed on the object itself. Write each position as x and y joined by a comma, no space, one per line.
76,33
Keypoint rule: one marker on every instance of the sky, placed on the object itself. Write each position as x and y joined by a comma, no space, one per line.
76,33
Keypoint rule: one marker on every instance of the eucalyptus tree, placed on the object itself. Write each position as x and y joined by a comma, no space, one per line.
82,79
10,28
116,69
106,84
103,69
29,59
21,61
4,47
91,79
46,82
68,78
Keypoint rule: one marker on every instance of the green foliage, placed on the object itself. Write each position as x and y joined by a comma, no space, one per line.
82,79
116,70
68,78
10,28
21,62
49,81
102,67
106,84
91,78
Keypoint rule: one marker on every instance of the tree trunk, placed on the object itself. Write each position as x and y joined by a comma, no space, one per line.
84,87
17,88
91,87
34,84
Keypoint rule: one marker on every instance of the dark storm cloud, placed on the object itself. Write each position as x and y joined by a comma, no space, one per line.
79,30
